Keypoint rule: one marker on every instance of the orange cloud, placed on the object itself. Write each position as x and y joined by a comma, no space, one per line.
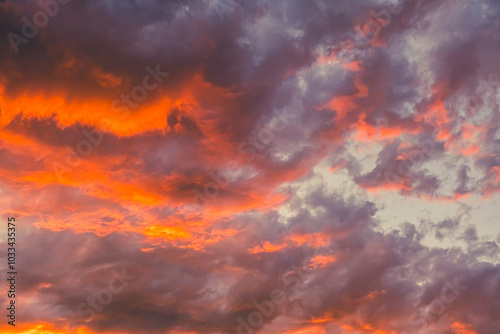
460,328
267,247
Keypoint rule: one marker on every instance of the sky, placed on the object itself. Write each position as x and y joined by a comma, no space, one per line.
238,166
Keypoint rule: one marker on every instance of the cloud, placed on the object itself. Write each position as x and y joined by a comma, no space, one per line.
217,186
